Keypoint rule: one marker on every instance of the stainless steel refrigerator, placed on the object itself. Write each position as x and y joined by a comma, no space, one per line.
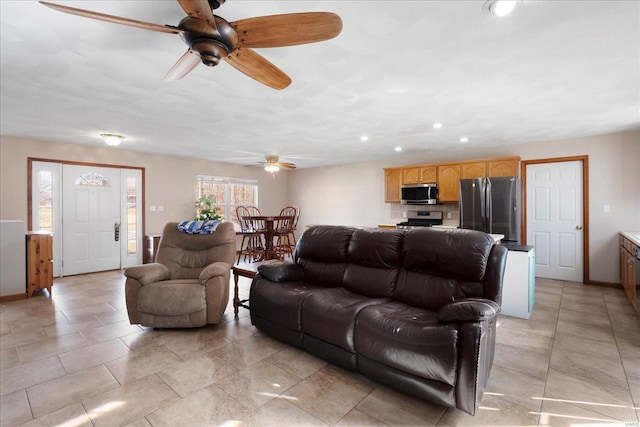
491,205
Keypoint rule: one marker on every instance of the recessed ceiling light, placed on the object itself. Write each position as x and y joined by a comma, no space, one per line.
500,7
398,148
437,125
464,139
364,138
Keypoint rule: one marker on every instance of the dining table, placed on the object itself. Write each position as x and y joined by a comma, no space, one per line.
269,230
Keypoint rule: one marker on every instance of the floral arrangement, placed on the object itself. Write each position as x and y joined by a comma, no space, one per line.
205,210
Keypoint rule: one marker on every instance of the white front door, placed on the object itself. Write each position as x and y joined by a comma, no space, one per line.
555,219
91,206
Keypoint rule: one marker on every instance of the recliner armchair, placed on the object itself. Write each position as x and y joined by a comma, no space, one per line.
188,285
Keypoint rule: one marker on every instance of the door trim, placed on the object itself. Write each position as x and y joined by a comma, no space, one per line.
30,161
585,205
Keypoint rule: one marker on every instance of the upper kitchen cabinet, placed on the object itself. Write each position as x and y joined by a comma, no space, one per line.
473,170
428,174
392,180
411,176
448,182
503,167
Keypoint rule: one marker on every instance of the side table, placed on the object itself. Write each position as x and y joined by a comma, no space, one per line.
249,270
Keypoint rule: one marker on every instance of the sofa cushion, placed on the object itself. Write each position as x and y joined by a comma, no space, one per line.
373,261
409,339
440,266
280,303
322,254
172,297
329,314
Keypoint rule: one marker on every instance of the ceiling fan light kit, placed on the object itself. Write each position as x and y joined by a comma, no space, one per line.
211,38
499,8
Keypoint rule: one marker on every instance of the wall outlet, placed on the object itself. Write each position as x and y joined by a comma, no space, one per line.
152,208
160,208
607,208
404,214
448,215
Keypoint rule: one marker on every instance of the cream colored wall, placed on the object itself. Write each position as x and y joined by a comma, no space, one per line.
353,194
170,181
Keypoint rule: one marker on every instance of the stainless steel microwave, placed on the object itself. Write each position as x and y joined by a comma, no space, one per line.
419,194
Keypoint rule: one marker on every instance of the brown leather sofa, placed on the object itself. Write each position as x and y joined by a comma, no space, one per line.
414,309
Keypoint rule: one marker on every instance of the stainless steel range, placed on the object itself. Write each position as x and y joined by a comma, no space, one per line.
421,219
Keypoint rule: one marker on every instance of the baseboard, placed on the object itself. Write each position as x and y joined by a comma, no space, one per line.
15,297
604,284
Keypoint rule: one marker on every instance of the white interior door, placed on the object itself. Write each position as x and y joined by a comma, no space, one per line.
555,219
91,206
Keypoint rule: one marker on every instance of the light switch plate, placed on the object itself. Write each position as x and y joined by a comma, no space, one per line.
607,208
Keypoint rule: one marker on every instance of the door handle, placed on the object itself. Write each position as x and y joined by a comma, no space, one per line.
578,227
116,231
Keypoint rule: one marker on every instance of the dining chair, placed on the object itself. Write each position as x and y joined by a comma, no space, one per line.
283,232
252,247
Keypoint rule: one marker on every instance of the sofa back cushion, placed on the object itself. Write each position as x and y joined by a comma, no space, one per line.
439,266
373,261
321,251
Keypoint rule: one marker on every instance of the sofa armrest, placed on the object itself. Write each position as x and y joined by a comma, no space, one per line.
278,273
469,310
148,273
212,270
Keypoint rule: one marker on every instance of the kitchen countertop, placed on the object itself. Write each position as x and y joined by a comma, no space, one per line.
634,236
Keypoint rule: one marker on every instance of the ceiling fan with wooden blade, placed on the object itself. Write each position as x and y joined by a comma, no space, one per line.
211,38
272,164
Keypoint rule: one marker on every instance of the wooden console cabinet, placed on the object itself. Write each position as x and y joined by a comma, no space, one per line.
151,243
39,261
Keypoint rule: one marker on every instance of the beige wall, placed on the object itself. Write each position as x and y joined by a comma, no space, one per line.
348,194
353,194
170,181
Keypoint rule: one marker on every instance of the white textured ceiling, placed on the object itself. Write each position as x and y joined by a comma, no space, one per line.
552,69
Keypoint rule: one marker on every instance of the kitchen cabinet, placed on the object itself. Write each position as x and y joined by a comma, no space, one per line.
628,273
392,180
503,167
39,261
411,175
473,170
428,174
448,183
446,175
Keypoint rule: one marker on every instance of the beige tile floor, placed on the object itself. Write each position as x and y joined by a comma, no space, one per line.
73,360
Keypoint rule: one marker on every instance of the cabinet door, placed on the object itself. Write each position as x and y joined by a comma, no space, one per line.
448,183
502,168
473,170
428,175
411,175
392,178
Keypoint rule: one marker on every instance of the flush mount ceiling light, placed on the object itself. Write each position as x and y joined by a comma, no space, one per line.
364,138
499,7
437,125
112,139
398,148
464,139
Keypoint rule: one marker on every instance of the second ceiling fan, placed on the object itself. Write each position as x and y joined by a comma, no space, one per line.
211,38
